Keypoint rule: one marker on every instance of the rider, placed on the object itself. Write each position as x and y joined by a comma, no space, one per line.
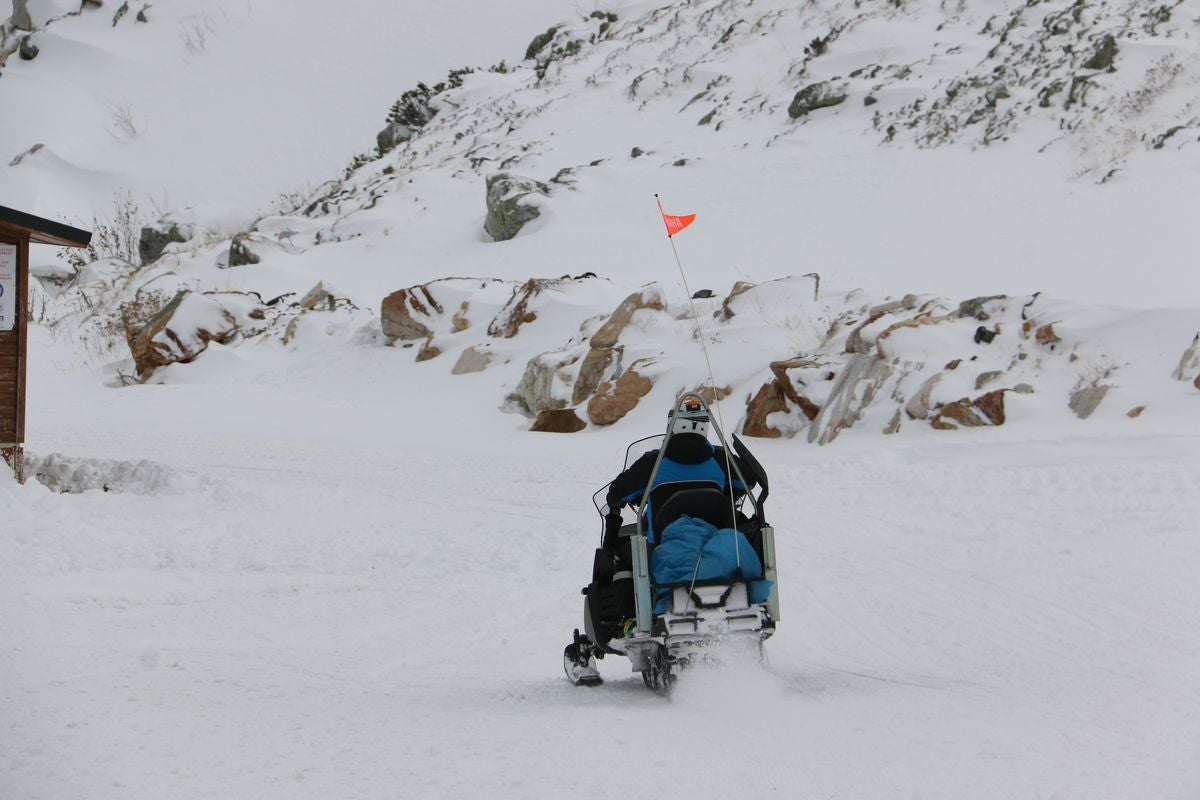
688,456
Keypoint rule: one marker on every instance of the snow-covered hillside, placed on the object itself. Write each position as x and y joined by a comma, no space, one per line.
292,531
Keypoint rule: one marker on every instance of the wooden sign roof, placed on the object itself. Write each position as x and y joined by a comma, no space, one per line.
43,231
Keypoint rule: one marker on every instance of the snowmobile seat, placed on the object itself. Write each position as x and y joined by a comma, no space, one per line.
709,504
662,497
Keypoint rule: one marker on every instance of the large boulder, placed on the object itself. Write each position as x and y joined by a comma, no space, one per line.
814,96
614,399
155,237
558,420
403,314
648,297
21,20
473,359
180,332
1189,362
516,311
511,204
395,133
768,400
544,383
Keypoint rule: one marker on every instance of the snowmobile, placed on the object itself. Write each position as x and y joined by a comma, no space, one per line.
663,621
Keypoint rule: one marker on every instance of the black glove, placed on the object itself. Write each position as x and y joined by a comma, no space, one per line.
612,530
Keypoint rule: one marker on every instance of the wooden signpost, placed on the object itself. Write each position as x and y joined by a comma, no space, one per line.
17,230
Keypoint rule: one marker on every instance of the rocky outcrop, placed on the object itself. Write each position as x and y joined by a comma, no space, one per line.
987,409
544,374
853,390
814,96
21,20
155,238
240,254
614,399
28,51
180,332
917,406
516,311
1189,362
769,399
511,204
603,352
1086,400
318,296
394,134
473,359
403,314
560,420
741,287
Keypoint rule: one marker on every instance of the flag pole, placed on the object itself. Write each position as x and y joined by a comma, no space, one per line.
675,225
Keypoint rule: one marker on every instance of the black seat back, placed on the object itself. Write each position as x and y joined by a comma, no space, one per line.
703,501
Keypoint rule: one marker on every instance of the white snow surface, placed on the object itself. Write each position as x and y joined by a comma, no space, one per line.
304,565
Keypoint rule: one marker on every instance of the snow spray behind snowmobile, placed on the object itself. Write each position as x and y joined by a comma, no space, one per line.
693,571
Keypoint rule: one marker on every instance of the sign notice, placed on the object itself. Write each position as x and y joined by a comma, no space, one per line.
8,287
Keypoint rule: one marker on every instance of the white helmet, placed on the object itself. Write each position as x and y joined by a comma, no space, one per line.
690,417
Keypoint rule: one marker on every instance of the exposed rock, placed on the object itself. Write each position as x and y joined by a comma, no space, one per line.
428,350
1196,382
1135,412
915,322
536,392
992,406
1046,335
539,42
1085,401
592,372
711,395
779,370
179,332
1104,54
987,377
473,359
769,399
154,239
558,420
987,409
395,133
396,313
459,321
516,311
21,20
21,157
741,287
1023,388
918,405
1189,361
28,51
508,206
984,336
240,253
961,411
953,364
316,296
974,306
853,390
814,96
894,425
649,297
613,401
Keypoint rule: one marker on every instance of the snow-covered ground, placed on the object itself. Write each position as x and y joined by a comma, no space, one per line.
319,569
308,590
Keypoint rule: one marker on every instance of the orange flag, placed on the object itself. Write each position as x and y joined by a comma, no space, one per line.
674,224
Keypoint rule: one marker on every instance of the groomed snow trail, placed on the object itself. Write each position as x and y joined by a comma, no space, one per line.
313,619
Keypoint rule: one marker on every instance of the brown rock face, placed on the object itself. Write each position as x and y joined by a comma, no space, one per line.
987,409
516,311
1046,335
164,340
591,372
396,313
769,399
610,331
558,420
613,401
